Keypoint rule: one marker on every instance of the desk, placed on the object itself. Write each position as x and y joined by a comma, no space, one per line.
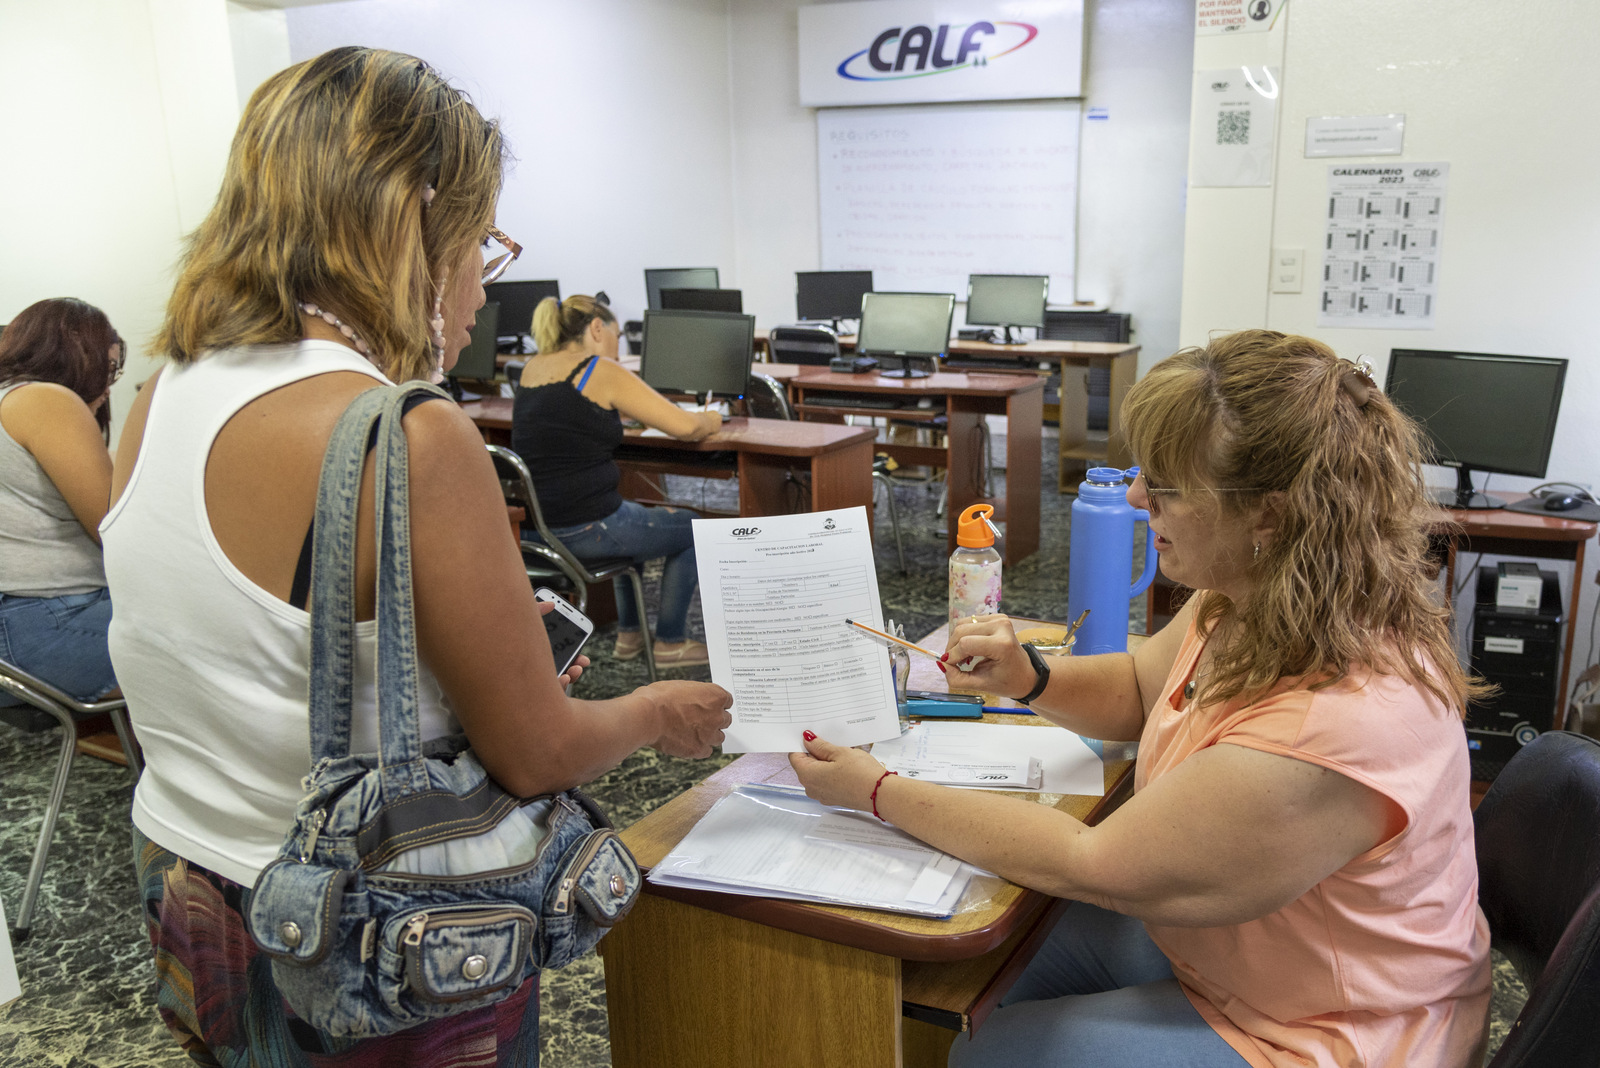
838,459
967,399
1075,446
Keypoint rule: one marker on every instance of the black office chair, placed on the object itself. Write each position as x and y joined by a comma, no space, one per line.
812,346
551,559
35,693
1538,845
514,369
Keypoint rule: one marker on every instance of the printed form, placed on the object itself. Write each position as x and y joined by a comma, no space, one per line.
776,591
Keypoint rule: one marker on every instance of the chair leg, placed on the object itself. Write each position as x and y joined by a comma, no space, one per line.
644,624
130,749
52,811
894,517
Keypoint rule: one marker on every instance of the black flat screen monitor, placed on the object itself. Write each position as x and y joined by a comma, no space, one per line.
1481,412
1007,300
477,359
832,295
658,278
517,301
722,300
907,327
697,351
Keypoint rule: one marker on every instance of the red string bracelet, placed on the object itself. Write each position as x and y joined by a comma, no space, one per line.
875,786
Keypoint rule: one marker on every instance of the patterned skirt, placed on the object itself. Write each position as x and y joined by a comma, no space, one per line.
215,990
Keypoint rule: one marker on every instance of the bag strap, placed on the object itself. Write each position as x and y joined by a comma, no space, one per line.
333,565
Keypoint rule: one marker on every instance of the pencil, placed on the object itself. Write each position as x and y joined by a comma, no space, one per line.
892,638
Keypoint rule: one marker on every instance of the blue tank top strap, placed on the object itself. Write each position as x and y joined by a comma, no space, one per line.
588,369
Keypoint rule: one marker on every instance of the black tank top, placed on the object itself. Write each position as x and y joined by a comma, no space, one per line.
567,441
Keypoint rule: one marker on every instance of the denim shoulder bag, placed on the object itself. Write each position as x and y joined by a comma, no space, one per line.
411,886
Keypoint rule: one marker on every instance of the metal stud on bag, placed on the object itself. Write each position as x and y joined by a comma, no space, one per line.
475,967
619,887
289,931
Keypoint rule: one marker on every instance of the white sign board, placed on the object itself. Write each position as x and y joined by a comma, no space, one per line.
1380,258
923,196
1362,135
920,51
1235,122
1235,16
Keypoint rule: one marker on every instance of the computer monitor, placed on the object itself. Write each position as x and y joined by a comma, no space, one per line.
721,300
1481,412
658,278
906,327
832,295
1007,300
517,301
697,351
477,359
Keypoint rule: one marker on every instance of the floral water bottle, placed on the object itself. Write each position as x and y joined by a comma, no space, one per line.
975,565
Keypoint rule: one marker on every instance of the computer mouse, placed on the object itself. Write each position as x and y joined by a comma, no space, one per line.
1561,502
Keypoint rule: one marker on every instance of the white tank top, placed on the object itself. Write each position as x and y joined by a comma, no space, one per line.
214,667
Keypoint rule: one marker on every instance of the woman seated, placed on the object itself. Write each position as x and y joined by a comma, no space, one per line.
343,252
567,425
58,359
1293,881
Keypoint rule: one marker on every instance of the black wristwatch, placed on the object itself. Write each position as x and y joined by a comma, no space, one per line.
1044,674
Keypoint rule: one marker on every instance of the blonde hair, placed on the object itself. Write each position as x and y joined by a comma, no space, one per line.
322,201
1346,579
560,323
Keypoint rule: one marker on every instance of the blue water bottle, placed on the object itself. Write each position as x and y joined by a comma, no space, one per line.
1101,566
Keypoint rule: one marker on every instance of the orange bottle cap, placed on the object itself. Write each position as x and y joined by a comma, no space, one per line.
974,530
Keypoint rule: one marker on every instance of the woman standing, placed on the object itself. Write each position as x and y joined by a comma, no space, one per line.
58,359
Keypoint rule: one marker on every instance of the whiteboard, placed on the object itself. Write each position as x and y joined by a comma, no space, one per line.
925,195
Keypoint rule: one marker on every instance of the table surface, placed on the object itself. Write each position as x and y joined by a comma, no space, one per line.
1032,349
781,437
963,383
1500,523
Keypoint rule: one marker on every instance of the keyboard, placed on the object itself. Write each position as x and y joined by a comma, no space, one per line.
854,400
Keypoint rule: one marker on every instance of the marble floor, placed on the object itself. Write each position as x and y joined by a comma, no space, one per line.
86,975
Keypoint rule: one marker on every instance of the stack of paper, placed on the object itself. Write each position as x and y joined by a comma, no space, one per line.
772,842
991,756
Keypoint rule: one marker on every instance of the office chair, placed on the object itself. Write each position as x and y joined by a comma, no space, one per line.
633,334
767,399
36,693
552,559
812,346
514,369
1539,885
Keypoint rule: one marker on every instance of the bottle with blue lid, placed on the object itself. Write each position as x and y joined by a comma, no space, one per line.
1100,568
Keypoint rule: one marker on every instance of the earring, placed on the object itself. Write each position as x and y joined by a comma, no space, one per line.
1257,555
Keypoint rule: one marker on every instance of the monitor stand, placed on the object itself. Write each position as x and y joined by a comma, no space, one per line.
1463,497
907,368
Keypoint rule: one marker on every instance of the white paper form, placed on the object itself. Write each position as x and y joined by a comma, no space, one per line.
776,591
1070,766
775,843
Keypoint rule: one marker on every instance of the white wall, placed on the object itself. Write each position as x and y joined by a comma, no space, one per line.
1511,102
617,112
117,132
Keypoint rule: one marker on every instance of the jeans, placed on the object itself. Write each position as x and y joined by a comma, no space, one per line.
1098,994
641,534
62,640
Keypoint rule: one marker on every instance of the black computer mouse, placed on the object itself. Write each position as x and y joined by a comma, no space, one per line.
1561,502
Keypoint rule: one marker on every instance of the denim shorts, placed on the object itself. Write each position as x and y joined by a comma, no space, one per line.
62,640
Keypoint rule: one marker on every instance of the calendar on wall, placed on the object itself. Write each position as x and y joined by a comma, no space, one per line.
1380,250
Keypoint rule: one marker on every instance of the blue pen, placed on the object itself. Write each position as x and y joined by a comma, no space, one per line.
1020,710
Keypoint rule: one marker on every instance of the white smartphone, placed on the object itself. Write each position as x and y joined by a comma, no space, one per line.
567,627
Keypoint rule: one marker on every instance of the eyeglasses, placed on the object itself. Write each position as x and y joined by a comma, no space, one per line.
119,362
498,253
1154,494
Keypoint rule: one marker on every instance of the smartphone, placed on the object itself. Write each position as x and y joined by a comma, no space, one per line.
567,627
932,695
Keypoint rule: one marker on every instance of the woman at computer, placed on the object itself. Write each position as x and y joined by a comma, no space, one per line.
1293,881
347,249
567,424
58,359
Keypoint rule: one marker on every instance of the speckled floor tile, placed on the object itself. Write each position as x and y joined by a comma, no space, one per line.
86,973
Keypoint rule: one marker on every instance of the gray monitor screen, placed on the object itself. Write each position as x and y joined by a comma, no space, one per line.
722,300
697,351
658,278
830,294
1484,412
1007,299
517,301
477,359
905,324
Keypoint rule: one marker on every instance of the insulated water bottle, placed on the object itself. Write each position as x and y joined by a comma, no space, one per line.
974,566
1101,565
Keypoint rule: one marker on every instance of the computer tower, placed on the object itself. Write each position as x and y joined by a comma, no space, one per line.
1519,650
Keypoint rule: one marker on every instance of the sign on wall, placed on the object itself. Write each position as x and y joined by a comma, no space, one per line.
919,51
1380,248
1236,16
1235,123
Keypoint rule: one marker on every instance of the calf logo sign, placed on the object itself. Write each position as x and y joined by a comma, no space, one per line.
920,51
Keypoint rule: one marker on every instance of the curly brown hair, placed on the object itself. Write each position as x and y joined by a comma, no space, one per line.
322,201
1346,580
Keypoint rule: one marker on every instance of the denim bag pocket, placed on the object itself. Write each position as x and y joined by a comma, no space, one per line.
465,952
295,909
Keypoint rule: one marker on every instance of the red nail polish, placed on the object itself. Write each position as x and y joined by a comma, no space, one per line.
938,665
943,658
809,736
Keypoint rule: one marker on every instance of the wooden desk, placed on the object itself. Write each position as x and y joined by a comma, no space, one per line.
838,459
967,399
1075,447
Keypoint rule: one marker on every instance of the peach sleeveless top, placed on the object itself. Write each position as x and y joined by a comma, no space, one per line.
1384,962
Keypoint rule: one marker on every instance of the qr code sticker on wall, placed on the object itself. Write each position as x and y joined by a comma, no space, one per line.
1233,127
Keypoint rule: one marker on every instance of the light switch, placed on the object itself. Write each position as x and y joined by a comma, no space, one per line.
1288,268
